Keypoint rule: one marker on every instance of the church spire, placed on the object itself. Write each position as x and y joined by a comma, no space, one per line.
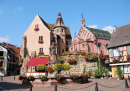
59,20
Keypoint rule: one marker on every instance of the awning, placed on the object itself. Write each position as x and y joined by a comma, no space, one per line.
37,61
119,64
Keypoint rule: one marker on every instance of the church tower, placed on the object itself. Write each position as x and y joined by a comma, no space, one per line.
82,22
60,34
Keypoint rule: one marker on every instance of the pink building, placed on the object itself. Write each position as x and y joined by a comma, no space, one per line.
90,39
37,38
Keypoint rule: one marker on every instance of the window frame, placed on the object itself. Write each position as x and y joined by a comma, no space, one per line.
40,37
41,49
36,26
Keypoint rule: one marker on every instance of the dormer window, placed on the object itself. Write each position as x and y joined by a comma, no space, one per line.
36,26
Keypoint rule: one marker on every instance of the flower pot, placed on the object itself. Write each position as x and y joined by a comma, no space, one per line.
107,77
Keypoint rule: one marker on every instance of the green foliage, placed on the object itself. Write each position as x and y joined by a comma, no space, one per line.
90,73
41,68
84,71
106,72
58,67
60,59
119,71
43,78
66,66
96,74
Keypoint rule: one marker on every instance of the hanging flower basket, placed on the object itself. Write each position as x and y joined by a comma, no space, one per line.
59,77
72,61
36,29
1,57
43,78
40,41
1,68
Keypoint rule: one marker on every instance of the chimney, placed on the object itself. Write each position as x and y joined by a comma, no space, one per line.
114,29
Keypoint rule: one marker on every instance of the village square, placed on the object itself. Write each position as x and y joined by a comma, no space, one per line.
52,57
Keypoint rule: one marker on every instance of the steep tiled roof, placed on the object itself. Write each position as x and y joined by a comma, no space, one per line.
100,33
120,37
14,49
51,27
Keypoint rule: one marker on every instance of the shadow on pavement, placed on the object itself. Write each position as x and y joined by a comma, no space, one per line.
12,86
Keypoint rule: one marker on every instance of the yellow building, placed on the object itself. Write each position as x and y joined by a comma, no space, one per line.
119,50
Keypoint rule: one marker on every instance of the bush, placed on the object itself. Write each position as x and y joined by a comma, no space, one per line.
40,68
66,66
96,74
119,71
58,67
84,70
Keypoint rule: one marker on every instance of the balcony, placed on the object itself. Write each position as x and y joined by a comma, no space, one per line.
36,29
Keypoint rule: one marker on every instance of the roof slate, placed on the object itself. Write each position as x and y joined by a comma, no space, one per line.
120,37
100,33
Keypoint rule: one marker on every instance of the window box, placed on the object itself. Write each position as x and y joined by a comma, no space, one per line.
36,29
1,57
72,61
115,59
41,53
40,41
128,57
1,68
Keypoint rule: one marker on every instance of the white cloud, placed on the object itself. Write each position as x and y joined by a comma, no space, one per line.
93,26
19,9
6,39
108,28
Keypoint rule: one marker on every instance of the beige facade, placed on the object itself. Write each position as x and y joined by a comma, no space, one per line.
37,38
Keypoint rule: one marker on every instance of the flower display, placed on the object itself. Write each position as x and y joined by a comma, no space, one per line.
67,53
128,57
21,77
40,41
59,77
50,69
43,78
72,61
36,29
1,57
115,58
81,52
91,56
31,78
41,53
60,60
82,76
1,68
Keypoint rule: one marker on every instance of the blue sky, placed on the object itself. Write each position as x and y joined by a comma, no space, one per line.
17,15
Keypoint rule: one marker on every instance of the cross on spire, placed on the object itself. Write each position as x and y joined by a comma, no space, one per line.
59,8
82,15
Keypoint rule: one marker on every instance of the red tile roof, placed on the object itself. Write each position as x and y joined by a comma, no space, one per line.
37,61
13,48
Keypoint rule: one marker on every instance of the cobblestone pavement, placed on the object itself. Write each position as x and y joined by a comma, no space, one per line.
9,84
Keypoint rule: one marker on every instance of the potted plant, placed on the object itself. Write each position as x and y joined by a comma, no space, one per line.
115,59
36,29
43,78
128,57
40,41
40,68
106,73
119,73
59,77
31,78
58,67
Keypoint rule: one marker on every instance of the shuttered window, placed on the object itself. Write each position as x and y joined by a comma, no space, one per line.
111,53
128,50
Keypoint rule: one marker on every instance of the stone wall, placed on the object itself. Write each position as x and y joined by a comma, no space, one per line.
79,67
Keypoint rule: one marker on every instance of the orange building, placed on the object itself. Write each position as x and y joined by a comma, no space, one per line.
119,50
